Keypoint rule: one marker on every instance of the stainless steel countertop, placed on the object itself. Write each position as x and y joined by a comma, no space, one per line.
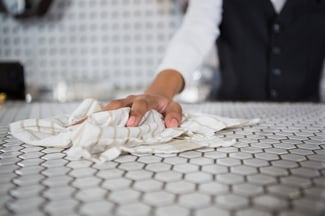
276,168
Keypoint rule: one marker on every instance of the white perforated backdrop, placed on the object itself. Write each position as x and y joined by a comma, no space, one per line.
120,41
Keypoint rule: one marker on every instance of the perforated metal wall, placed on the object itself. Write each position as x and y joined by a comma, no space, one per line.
118,40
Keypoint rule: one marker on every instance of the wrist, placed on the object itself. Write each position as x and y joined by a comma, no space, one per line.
167,83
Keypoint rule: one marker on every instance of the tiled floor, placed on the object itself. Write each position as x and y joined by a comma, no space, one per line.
276,168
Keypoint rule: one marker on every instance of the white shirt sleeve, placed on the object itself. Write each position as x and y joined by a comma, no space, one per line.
278,5
192,42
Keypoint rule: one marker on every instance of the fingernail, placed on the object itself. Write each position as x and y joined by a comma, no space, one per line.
131,122
173,123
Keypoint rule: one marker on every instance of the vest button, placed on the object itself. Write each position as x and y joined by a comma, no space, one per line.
274,93
276,50
276,72
276,28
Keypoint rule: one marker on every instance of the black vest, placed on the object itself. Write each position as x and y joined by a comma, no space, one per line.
265,56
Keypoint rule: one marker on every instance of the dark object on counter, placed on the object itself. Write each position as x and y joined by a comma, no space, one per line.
12,82
25,8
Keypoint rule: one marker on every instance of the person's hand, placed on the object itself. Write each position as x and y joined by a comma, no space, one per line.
140,104
157,96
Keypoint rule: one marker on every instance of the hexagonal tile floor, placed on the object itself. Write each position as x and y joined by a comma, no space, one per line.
275,168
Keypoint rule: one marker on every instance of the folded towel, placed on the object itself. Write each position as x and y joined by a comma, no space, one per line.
103,135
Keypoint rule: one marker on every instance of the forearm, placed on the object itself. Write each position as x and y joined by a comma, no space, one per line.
167,83
194,39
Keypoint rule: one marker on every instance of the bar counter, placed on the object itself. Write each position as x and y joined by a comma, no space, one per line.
276,167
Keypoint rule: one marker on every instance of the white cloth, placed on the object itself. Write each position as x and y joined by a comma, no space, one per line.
103,135
195,37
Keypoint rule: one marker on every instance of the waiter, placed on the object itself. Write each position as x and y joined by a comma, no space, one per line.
269,50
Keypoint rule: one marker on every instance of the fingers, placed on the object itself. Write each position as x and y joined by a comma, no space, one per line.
139,107
119,103
141,104
173,115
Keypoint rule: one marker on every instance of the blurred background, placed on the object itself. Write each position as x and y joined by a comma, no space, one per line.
72,49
